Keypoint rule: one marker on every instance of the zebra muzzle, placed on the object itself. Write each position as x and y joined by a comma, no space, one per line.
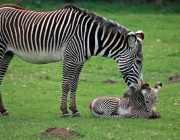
154,115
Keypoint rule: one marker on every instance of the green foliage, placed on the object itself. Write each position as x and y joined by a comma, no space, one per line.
32,93
125,6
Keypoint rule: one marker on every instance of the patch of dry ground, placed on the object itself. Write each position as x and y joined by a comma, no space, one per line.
175,78
59,133
110,81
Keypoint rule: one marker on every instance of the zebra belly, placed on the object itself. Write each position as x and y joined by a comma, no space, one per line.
121,111
123,106
39,57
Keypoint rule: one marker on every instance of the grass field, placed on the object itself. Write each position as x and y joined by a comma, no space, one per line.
31,93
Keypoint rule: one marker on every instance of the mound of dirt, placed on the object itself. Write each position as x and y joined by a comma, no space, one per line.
82,80
59,133
110,81
175,78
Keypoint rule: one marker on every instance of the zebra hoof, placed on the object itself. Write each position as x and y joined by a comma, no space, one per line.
6,113
77,114
65,115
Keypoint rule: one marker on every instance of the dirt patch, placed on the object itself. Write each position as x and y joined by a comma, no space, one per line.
82,80
59,133
175,78
110,81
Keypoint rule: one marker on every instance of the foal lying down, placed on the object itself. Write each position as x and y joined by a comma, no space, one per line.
135,104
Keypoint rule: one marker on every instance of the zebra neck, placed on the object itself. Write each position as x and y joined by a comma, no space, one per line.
136,99
105,41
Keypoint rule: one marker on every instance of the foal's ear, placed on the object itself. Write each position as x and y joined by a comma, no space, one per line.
131,40
145,86
158,86
139,34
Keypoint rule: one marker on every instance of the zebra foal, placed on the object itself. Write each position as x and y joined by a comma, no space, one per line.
136,104
71,35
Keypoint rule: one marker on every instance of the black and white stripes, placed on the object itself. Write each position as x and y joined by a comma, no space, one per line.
71,35
136,104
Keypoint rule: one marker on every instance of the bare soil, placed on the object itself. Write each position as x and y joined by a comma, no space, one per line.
59,133
175,78
82,80
110,81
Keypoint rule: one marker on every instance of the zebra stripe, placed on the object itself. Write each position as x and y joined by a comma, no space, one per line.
71,35
139,103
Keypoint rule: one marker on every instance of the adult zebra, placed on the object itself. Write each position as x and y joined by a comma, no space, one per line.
71,35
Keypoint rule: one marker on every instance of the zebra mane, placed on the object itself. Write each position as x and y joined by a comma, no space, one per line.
137,96
104,23
133,93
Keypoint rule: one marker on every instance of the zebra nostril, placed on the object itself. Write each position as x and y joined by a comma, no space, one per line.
138,62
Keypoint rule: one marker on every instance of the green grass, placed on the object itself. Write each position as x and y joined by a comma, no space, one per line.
32,93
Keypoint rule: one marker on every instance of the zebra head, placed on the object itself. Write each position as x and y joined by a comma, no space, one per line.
150,97
130,62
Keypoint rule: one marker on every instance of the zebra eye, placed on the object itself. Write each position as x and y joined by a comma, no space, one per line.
138,62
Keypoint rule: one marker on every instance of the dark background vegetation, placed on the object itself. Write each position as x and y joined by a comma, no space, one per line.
135,6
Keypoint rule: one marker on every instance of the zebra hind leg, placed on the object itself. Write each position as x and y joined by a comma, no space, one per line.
3,67
3,111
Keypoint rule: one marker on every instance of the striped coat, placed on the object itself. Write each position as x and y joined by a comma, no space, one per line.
135,104
71,35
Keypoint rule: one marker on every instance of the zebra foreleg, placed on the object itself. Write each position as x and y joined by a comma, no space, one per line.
74,84
72,106
67,74
63,107
70,80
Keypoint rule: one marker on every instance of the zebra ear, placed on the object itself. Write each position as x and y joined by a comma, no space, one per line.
139,34
131,40
146,86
